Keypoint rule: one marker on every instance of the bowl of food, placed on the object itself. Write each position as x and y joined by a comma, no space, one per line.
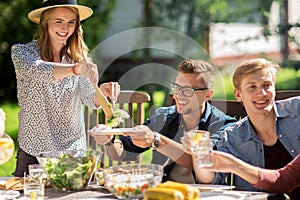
69,170
130,181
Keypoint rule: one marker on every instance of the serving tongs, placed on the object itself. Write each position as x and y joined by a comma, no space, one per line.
106,107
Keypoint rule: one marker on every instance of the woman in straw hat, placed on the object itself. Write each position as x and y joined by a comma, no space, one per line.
54,78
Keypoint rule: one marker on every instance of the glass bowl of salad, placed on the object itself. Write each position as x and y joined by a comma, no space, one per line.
70,170
130,181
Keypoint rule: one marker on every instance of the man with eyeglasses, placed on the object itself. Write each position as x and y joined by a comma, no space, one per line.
192,89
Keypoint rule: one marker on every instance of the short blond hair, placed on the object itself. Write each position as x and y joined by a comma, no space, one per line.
199,67
252,66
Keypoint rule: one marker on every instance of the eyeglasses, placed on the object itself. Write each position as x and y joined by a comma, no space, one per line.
186,90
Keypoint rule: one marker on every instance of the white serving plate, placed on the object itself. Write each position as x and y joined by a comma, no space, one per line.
209,187
114,131
223,195
9,194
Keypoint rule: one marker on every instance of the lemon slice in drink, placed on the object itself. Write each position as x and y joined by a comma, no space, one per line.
6,148
197,137
32,195
6,143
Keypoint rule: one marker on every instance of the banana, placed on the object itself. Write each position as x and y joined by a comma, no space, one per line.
161,193
188,192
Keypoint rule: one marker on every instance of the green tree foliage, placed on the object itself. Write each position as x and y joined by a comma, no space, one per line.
17,28
96,25
194,18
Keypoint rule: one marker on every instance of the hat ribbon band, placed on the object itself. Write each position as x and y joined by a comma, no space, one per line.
58,2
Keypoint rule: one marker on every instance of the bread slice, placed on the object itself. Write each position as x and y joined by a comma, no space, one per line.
14,183
2,186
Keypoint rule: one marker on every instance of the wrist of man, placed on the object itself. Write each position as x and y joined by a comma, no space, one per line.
156,141
111,142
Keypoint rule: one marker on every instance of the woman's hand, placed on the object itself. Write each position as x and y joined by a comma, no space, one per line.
223,162
88,69
110,90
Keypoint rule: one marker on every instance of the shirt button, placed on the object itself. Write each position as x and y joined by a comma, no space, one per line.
293,151
280,135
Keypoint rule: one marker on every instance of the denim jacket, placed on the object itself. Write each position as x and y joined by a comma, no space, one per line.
241,140
168,122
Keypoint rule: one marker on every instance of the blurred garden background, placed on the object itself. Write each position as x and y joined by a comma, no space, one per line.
227,31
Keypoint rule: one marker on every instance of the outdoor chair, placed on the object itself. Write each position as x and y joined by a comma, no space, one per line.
283,94
131,101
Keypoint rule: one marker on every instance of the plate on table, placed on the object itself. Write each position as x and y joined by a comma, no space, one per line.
113,131
9,194
224,195
209,187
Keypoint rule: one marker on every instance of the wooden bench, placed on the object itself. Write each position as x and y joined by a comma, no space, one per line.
283,94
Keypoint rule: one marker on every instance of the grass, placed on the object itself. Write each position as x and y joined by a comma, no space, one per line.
286,79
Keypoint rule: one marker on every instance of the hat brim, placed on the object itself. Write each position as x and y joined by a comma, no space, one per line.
84,12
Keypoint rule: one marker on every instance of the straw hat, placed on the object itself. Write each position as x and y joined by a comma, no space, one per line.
84,12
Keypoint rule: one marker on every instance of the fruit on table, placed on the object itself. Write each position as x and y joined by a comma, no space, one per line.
171,190
188,192
163,194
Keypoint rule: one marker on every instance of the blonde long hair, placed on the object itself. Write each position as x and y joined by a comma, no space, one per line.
75,48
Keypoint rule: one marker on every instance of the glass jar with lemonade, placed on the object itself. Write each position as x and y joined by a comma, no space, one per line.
6,148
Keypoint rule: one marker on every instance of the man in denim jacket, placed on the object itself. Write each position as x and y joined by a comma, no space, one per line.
192,89
269,136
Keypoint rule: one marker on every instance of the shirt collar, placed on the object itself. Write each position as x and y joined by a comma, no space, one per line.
279,112
203,120
280,109
207,113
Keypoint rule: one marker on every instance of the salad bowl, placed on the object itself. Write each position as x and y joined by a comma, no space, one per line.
69,170
130,181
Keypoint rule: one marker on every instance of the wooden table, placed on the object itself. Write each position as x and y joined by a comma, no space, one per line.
91,193
210,195
94,192
103,194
